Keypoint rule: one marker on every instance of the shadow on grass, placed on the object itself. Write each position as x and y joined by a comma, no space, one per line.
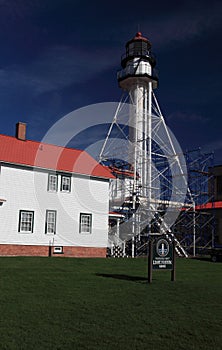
202,258
209,259
137,279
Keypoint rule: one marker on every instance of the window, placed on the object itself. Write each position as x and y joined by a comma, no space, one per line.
50,222
58,250
85,223
52,182
66,184
26,220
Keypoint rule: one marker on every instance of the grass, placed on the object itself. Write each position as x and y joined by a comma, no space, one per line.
53,303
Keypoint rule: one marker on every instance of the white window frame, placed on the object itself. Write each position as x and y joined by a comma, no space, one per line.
58,250
50,223
85,223
53,186
26,221
64,178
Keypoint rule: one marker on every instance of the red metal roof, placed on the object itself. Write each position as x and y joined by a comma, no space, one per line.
123,172
42,155
138,36
210,205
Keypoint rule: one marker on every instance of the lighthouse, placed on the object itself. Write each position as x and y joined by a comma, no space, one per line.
151,184
138,79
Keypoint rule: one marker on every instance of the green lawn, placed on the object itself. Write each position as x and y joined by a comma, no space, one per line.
64,303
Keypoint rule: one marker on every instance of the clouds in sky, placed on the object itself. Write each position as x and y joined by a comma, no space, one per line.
186,117
58,66
181,25
55,69
60,55
213,146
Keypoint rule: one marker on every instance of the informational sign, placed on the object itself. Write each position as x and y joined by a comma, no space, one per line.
162,254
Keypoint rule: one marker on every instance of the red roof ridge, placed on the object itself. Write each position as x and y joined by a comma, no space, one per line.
209,205
15,151
43,143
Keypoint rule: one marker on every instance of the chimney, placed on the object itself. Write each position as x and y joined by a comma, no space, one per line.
20,131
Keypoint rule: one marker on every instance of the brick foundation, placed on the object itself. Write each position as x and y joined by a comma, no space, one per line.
34,250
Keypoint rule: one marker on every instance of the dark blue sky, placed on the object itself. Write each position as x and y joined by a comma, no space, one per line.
57,56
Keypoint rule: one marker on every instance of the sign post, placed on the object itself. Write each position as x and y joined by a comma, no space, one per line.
161,256
173,271
150,261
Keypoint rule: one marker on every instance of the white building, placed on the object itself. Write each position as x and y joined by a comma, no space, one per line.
54,200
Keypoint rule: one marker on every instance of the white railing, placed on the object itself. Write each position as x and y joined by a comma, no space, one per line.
135,69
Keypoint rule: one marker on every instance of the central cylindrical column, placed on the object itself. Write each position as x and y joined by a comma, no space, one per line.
140,134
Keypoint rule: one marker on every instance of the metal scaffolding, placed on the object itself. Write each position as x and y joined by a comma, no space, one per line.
195,227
